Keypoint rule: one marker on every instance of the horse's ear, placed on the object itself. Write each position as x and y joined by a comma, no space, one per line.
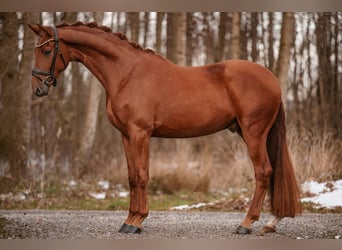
38,29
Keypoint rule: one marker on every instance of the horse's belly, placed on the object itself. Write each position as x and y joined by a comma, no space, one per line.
192,124
165,132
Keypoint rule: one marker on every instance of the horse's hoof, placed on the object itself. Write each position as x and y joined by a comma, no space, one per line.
125,228
243,230
267,229
134,229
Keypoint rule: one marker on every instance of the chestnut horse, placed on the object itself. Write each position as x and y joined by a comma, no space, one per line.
147,96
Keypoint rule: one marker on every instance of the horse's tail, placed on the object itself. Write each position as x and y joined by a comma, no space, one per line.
284,191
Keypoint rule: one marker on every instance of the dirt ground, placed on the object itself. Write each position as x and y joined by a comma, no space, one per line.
43,224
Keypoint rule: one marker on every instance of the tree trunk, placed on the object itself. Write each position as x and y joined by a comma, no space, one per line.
25,68
189,39
219,55
270,42
133,18
254,36
235,40
74,105
208,38
243,37
337,74
90,123
159,26
69,17
326,86
286,43
176,38
176,48
146,28
15,94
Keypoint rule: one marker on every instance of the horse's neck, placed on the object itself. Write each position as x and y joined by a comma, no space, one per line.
109,61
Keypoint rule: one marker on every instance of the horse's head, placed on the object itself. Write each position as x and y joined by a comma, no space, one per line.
51,58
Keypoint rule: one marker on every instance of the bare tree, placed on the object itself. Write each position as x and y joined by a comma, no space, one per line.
160,17
15,94
189,38
176,37
209,37
133,19
254,35
90,123
235,40
286,43
221,41
146,28
270,42
25,67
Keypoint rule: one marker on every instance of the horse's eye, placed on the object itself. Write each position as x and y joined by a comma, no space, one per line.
46,52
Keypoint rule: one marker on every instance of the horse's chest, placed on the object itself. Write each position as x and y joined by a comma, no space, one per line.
117,117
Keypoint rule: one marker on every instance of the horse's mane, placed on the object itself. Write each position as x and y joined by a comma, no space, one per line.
120,35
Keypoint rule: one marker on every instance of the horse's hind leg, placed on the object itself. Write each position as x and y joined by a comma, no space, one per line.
255,136
270,226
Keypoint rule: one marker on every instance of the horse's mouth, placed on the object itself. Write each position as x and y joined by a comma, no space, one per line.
41,91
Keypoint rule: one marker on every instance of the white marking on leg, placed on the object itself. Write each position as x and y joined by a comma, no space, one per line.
273,222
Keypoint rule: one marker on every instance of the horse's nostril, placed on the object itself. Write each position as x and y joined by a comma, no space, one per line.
39,92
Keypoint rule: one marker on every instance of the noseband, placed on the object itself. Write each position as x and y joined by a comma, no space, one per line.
50,79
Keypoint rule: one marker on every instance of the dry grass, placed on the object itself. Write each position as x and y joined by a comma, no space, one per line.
221,162
217,162
315,156
181,169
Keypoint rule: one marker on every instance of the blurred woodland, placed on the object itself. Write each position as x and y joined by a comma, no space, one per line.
66,135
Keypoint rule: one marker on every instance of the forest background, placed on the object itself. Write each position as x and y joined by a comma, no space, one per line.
66,137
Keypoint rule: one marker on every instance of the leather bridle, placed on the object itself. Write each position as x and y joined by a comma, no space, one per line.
50,79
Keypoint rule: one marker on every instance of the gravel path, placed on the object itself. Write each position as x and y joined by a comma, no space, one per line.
36,224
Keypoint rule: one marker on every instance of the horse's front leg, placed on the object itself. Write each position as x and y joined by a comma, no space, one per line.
137,153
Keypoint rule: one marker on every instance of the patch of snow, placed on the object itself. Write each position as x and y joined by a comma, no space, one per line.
27,191
19,197
326,194
98,196
72,183
4,197
314,187
123,194
187,207
103,184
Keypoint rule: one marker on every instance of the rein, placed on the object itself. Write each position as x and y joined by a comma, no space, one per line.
50,78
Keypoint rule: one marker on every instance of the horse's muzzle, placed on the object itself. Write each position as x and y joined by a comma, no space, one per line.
42,91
